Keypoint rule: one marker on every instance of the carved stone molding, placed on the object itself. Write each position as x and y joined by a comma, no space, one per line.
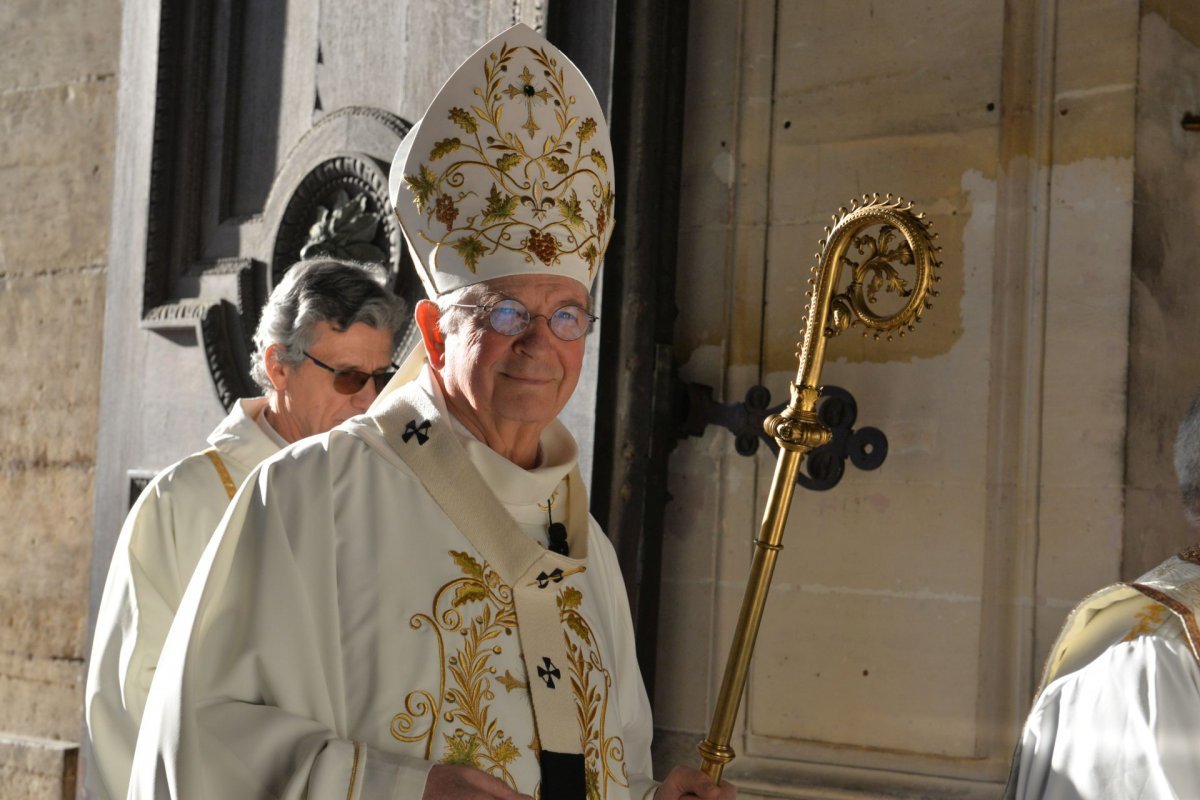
340,209
221,332
331,198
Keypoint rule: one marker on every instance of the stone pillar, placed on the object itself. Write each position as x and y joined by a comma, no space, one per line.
57,105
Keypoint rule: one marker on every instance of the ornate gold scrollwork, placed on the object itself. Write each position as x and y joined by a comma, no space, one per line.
889,240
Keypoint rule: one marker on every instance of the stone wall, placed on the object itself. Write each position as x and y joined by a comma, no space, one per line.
58,65
913,605
1164,361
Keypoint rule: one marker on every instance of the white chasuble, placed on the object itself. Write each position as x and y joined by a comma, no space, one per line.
346,632
160,542
1118,716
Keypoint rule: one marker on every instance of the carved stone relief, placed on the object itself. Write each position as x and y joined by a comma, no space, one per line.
329,199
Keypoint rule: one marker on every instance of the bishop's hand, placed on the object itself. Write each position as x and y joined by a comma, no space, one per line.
687,783
453,782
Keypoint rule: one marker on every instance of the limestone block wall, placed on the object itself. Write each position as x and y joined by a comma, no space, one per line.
58,64
912,606
1164,359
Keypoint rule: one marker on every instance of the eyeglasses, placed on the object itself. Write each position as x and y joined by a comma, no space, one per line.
511,318
351,381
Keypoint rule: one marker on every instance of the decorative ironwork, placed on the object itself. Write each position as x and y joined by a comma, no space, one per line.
799,429
866,448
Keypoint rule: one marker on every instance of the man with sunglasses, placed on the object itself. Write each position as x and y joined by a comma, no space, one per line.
417,604
324,349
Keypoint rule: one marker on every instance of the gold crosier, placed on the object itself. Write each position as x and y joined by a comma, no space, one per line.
903,239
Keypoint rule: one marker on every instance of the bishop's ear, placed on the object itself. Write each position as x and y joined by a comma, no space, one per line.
427,316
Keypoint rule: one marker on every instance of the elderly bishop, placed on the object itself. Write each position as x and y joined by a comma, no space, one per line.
417,603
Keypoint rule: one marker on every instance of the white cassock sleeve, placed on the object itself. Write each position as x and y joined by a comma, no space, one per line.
258,632
159,544
1125,727
135,613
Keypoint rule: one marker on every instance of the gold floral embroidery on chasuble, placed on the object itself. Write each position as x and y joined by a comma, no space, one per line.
591,682
473,620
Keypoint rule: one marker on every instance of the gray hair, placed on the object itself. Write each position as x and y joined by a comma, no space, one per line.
341,293
452,316
1187,462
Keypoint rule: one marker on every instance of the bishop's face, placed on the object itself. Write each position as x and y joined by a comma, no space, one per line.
522,380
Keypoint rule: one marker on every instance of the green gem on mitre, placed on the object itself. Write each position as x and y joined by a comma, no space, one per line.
529,90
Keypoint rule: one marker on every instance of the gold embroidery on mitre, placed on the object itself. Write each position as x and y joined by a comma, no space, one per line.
591,682
1149,620
466,684
544,196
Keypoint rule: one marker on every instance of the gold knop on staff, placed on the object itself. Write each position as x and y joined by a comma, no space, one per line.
903,240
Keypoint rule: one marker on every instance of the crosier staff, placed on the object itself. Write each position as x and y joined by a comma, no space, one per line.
797,428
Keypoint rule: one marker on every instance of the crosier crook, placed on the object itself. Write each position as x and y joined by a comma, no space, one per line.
797,428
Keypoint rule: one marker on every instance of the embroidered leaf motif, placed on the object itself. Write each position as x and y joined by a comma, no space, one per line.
469,592
590,255
423,184
463,120
508,161
576,623
598,157
505,752
500,207
462,750
471,250
569,598
592,778
556,164
510,682
467,564
572,211
585,130
444,147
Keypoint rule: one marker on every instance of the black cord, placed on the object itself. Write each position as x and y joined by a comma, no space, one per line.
556,531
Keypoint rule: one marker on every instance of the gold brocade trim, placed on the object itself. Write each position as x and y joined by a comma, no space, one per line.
551,501
1149,619
467,676
591,682
219,466
1183,612
354,770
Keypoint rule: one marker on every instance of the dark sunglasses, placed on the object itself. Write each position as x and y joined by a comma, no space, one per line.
351,381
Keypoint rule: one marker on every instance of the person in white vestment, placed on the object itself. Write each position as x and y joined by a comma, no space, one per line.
1118,716
417,603
325,315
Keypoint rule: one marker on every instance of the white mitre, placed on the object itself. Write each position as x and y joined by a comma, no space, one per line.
509,172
